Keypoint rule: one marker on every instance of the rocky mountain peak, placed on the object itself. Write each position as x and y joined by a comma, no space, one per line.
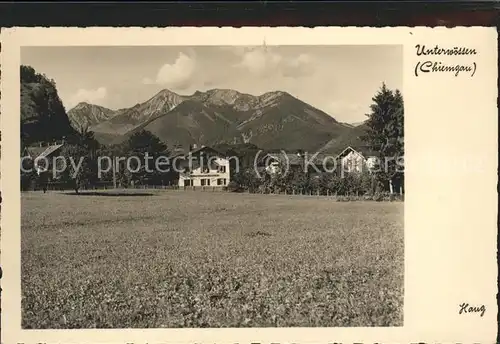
82,105
223,95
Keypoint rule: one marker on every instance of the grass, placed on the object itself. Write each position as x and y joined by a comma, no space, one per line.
200,259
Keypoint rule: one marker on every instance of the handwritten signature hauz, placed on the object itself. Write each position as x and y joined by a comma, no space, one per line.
466,308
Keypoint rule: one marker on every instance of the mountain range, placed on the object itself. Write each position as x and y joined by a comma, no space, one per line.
273,120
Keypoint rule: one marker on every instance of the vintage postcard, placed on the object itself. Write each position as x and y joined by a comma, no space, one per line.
249,185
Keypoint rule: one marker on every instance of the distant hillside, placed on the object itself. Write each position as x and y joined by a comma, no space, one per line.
356,124
274,120
283,121
348,125
43,117
195,122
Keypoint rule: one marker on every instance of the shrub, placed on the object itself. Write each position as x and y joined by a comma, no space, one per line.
379,197
234,187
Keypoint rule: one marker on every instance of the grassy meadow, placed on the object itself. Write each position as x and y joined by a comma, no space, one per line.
209,259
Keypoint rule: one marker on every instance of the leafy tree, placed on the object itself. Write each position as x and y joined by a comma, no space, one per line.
298,180
385,133
85,139
361,183
325,182
143,149
28,175
80,167
242,155
247,179
103,151
80,154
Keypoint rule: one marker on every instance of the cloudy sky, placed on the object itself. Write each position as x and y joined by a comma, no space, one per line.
339,80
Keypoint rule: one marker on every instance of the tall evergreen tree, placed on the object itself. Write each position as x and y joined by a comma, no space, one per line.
385,135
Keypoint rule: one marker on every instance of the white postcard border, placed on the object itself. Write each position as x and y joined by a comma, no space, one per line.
450,214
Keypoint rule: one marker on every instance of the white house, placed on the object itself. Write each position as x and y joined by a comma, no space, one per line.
352,160
204,167
363,159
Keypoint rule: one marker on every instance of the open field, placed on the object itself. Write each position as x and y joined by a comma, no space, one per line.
200,259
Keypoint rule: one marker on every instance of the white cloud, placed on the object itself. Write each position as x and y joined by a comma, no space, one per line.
260,61
264,61
176,75
94,96
299,66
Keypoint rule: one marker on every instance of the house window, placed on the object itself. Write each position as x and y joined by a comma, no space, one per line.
205,182
205,170
188,182
222,169
221,181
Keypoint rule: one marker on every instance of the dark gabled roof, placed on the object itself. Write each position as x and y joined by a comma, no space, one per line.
190,166
205,148
366,151
292,159
317,158
296,159
34,151
193,152
45,151
51,149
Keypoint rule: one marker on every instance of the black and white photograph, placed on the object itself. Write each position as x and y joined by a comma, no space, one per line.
249,185
212,186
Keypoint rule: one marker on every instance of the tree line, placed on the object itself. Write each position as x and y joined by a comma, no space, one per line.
384,135
83,147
